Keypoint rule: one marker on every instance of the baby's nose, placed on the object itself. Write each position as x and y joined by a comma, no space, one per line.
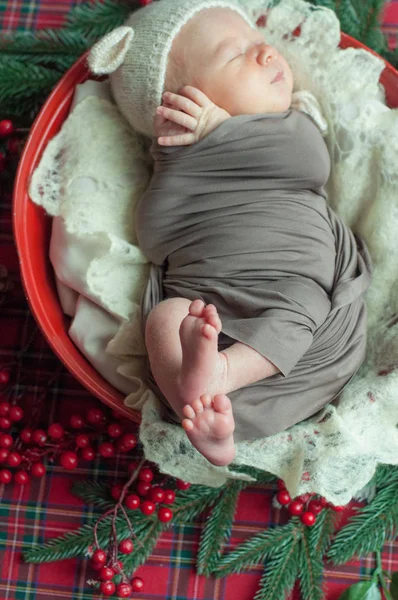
266,54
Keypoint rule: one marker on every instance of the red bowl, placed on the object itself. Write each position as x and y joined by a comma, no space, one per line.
32,228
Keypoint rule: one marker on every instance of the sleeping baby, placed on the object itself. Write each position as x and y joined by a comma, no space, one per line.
254,312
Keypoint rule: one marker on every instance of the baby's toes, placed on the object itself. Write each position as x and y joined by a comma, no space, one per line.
196,308
188,412
197,406
211,315
209,332
222,403
206,400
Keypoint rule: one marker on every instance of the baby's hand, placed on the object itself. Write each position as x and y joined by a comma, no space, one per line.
186,119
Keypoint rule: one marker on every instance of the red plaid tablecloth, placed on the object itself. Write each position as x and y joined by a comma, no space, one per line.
45,508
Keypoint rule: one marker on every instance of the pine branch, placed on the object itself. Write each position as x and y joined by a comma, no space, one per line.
19,81
70,545
314,541
281,571
93,493
368,530
143,545
256,549
385,475
45,42
190,503
218,528
96,19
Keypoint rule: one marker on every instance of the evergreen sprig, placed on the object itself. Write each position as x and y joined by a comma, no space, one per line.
282,568
145,541
368,530
255,550
94,493
190,503
218,528
98,18
314,543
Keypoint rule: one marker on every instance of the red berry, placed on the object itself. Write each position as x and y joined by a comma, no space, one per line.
118,566
324,502
3,455
145,2
169,496
5,476
6,128
137,584
114,430
39,437
308,518
4,376
13,145
281,484
26,435
132,501
126,547
148,507
88,454
315,507
283,497
124,590
143,488
21,477
82,440
132,467
182,485
304,498
127,442
14,459
95,416
68,460
106,449
99,557
337,508
6,440
295,508
116,491
107,588
106,573
145,475
156,494
5,423
16,413
76,422
56,431
164,514
4,409
38,469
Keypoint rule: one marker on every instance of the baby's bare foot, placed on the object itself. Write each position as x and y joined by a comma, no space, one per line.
209,424
200,358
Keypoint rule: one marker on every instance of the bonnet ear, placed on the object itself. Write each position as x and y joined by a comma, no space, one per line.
108,53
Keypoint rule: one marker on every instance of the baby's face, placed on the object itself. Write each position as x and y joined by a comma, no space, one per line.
230,62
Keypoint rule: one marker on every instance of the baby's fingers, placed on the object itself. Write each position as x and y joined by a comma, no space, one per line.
177,140
177,117
171,100
196,95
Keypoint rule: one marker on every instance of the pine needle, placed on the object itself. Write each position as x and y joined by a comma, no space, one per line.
218,528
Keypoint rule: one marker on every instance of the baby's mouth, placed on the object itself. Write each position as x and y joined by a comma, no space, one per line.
278,77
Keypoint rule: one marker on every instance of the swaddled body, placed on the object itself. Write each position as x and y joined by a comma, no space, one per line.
240,220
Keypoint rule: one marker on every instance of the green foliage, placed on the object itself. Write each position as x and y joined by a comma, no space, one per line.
282,569
314,543
218,528
364,590
368,530
93,493
93,20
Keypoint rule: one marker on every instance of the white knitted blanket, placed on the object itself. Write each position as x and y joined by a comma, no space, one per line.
90,177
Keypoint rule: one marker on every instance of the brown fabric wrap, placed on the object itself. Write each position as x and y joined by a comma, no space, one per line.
240,220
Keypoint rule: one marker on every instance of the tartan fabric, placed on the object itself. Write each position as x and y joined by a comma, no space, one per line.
45,507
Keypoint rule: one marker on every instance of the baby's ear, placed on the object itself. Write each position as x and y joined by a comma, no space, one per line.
109,52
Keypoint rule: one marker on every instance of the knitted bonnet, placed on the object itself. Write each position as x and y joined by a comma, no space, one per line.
135,55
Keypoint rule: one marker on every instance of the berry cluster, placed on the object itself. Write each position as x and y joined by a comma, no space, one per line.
146,496
108,570
307,506
26,451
